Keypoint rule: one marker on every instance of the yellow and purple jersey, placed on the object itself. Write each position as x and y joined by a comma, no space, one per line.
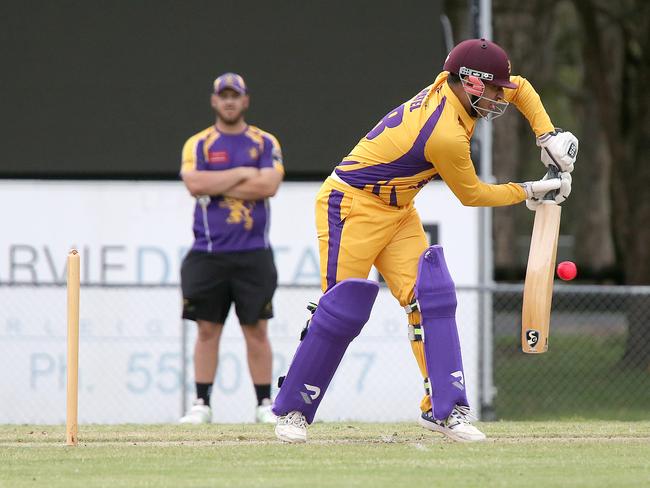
225,224
428,136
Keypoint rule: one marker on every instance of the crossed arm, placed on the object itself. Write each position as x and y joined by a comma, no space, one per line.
262,185
244,182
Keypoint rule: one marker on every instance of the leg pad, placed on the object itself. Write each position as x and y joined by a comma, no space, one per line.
436,295
341,314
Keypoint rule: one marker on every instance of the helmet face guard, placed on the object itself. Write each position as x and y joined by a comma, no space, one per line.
474,88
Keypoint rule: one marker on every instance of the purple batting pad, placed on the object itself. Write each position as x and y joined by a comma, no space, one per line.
341,314
436,295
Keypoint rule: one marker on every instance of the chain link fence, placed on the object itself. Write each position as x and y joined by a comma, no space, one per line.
598,362
136,356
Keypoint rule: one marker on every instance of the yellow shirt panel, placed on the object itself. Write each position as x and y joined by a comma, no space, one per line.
425,136
449,149
276,150
188,157
389,161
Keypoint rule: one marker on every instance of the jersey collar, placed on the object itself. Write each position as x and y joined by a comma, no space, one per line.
465,118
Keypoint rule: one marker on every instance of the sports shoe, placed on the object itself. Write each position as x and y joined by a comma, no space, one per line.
291,427
199,413
263,413
457,426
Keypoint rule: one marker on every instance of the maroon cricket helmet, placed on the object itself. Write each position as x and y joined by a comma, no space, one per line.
481,58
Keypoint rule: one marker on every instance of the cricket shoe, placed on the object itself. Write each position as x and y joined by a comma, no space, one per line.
263,413
291,427
457,426
199,413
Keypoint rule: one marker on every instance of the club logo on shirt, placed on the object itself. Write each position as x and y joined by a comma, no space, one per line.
240,211
218,157
253,152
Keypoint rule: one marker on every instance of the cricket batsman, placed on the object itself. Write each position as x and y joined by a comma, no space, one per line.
365,216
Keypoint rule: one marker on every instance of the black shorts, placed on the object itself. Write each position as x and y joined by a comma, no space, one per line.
211,282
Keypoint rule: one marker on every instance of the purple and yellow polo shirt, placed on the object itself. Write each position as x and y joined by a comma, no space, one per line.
225,224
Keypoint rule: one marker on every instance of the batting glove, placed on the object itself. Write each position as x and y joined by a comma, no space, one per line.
560,149
536,190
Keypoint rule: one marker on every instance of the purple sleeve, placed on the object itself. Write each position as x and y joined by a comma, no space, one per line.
266,158
271,156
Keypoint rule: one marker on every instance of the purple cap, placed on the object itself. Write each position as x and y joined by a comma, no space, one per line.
232,81
481,58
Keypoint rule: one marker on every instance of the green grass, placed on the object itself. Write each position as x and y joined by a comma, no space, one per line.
572,453
579,376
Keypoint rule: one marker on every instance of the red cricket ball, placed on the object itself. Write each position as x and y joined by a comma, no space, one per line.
567,270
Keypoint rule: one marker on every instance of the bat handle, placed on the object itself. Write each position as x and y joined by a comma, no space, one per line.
553,172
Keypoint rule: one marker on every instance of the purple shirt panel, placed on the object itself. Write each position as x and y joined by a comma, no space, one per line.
267,156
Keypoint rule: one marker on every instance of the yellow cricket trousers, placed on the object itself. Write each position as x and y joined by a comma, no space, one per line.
357,230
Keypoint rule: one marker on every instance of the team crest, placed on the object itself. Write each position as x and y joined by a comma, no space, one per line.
254,153
240,211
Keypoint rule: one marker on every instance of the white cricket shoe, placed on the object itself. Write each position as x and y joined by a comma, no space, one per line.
263,413
457,426
199,413
291,427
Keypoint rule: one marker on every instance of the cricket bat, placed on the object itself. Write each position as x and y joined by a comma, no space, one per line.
538,287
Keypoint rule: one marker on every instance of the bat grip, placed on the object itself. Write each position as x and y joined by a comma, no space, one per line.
553,172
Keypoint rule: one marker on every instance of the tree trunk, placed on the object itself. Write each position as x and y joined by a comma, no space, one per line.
636,249
590,200
624,112
513,139
506,163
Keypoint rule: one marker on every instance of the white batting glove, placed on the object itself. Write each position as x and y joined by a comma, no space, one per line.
562,185
560,149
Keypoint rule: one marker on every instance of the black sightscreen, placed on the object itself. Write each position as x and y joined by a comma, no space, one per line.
113,88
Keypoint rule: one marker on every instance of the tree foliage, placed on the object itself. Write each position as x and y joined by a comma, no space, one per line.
590,61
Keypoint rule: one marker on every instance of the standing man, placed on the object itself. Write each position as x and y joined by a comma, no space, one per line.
232,169
365,215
